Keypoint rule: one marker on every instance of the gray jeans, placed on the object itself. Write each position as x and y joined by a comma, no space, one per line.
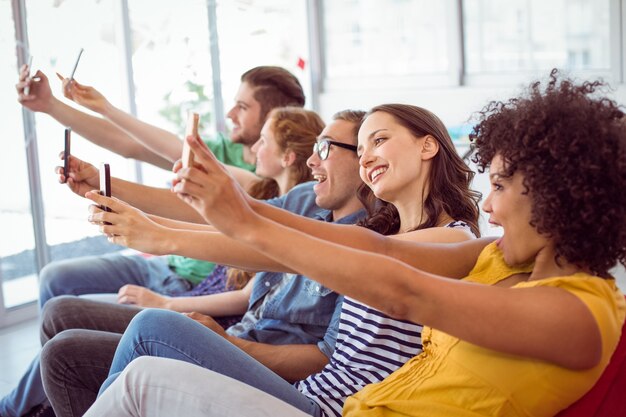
79,338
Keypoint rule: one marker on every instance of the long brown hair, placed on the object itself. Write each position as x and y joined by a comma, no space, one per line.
295,130
449,178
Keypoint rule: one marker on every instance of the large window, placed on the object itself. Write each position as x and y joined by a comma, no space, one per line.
17,259
261,32
67,231
384,39
171,67
529,35
100,66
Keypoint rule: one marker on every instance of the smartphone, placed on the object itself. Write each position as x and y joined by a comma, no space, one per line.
80,53
105,184
191,130
66,153
30,70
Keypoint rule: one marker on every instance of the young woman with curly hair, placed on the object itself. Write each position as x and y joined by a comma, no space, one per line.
535,319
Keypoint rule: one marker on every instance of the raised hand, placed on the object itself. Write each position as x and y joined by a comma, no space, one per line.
84,95
82,177
127,225
141,296
40,96
213,192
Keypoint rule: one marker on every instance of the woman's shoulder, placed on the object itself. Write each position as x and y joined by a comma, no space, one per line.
491,268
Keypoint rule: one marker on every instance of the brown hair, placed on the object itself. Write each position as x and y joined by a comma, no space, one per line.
449,178
295,130
355,117
569,143
274,87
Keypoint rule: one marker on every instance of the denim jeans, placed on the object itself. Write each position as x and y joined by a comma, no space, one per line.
63,313
107,274
159,387
171,335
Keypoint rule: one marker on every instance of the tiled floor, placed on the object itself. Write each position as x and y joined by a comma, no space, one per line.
18,346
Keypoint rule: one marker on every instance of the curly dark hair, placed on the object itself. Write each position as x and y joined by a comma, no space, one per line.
569,143
449,178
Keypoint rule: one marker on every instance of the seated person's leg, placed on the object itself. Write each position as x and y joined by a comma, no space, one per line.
73,366
106,274
29,393
155,387
172,335
67,312
59,314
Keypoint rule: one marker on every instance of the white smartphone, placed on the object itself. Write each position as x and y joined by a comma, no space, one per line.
191,130
30,68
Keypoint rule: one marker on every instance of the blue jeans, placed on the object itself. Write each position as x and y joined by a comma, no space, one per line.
167,334
107,274
28,393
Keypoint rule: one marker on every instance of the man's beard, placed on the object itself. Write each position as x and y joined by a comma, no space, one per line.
245,138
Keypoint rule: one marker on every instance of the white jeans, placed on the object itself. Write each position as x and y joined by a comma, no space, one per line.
160,387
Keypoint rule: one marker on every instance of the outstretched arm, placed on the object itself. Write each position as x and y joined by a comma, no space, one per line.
197,187
160,141
132,228
95,129
84,177
544,323
223,304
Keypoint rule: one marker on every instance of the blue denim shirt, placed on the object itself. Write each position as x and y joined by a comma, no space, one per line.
301,311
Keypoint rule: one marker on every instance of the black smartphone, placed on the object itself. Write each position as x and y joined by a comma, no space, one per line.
105,184
66,153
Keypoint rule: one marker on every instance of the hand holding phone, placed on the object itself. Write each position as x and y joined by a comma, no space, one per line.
105,184
192,130
66,154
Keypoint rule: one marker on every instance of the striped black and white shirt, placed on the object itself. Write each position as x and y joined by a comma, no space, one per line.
369,347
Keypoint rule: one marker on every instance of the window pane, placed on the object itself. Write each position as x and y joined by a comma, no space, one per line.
521,35
384,37
67,230
172,68
17,261
261,32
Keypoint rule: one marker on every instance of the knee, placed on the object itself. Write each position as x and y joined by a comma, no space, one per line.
58,349
154,320
52,315
52,280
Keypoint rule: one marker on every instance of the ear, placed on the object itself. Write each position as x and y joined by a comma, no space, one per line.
430,148
288,159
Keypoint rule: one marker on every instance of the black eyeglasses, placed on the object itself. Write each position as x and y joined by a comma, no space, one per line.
322,148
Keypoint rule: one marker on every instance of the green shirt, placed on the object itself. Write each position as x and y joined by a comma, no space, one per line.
229,153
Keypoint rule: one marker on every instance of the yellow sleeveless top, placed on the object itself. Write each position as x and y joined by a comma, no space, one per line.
455,378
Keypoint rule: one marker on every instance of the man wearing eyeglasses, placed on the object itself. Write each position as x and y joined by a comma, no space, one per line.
290,325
